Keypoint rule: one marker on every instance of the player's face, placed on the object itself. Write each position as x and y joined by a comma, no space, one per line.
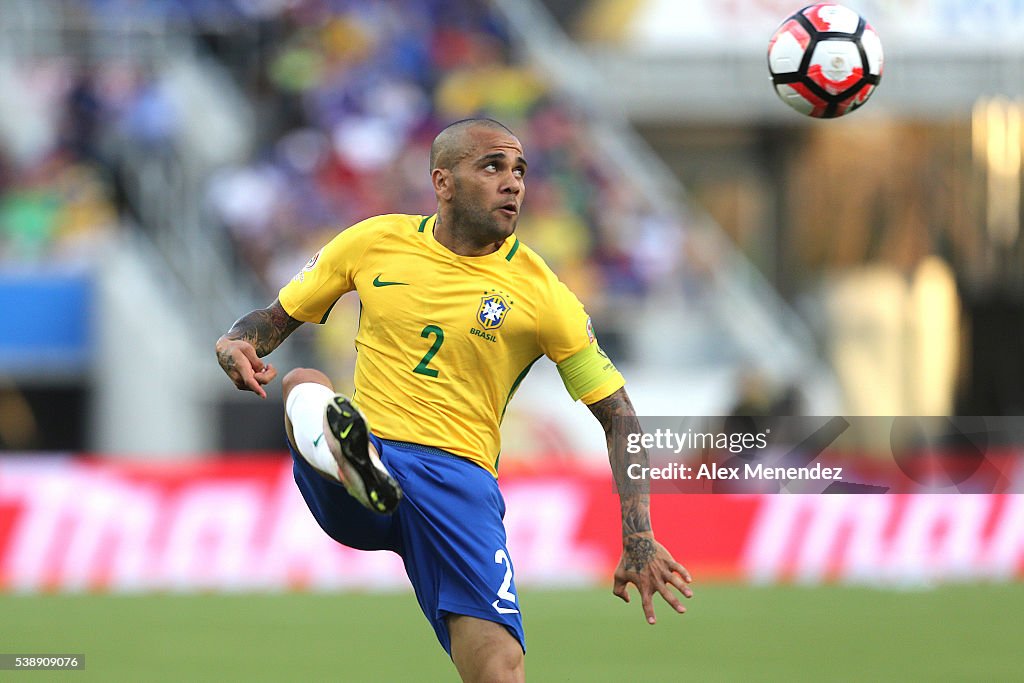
489,185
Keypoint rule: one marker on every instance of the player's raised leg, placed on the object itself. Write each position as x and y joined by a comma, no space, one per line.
364,475
484,651
306,393
332,435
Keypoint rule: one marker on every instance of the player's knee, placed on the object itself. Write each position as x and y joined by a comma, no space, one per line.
504,663
503,667
300,376
491,655
496,666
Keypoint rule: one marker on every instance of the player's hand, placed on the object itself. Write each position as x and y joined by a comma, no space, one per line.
239,361
646,564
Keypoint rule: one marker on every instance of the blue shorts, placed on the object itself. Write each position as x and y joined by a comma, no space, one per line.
448,530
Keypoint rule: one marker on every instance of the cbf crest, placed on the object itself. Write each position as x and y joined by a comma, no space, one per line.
493,309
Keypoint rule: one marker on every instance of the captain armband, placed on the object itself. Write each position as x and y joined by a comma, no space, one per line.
588,374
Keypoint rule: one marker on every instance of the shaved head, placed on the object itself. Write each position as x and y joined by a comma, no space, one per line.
478,170
452,144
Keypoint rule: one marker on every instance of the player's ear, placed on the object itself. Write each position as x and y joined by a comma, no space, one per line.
444,184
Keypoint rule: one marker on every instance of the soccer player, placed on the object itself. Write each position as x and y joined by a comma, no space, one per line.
455,311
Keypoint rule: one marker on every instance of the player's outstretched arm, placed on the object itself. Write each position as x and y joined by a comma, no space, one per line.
645,563
253,336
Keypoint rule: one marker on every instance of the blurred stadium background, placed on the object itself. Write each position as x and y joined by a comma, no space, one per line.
165,165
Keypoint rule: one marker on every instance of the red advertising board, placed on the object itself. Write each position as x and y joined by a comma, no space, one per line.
90,524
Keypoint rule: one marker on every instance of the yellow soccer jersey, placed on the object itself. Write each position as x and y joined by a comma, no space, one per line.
444,340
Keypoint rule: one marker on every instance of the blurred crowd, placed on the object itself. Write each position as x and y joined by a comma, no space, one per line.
54,196
350,95
346,98
64,119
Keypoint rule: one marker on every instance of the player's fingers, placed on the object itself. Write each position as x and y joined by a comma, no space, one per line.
247,380
253,385
267,375
250,353
681,570
620,589
239,374
680,585
247,368
648,603
671,598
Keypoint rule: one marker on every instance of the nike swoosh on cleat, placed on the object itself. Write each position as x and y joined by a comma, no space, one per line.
377,282
343,434
503,610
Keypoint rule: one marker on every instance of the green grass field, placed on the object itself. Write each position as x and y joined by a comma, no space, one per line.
730,633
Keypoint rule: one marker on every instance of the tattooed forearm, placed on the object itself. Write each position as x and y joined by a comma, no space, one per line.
618,418
264,328
636,513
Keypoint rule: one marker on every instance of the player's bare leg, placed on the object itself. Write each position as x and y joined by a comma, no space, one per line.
332,435
484,651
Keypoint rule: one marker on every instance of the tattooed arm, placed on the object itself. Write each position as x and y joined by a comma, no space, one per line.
645,563
251,337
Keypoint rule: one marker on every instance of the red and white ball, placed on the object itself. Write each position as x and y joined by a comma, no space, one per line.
825,60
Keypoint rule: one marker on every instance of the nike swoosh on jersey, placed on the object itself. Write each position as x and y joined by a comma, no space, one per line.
503,610
317,439
377,282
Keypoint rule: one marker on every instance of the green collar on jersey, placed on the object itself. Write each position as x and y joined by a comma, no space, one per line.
508,257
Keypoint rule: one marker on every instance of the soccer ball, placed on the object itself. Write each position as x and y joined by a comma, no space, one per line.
825,60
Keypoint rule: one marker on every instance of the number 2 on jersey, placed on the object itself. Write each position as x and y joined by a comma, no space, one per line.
438,333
